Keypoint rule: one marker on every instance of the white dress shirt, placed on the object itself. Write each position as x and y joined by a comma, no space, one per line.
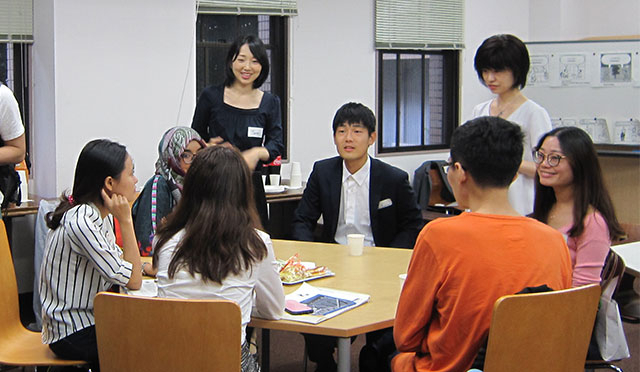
354,215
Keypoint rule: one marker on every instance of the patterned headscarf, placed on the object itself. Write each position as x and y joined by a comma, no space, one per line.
173,143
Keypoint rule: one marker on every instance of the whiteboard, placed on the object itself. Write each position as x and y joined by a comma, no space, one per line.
594,85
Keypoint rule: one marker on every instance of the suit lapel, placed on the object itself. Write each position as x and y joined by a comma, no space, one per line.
375,190
335,190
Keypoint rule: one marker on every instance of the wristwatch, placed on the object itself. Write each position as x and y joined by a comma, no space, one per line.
143,265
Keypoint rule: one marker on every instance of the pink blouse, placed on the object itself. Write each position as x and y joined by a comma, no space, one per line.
589,250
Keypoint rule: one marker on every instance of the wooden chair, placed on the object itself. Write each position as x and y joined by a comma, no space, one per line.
18,345
158,334
542,332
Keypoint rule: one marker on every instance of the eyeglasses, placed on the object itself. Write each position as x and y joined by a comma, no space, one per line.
187,157
552,159
448,166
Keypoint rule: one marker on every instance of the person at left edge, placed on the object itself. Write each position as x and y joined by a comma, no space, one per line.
240,114
11,129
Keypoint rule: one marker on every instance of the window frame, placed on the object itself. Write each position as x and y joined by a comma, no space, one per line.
450,100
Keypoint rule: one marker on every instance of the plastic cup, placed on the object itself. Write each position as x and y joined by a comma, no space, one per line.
356,244
274,179
295,181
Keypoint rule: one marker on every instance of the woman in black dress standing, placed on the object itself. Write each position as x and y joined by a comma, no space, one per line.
240,114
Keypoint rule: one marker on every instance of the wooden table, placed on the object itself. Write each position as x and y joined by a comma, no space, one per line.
630,253
374,273
25,208
287,195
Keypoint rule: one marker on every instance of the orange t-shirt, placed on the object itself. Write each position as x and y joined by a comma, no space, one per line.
460,266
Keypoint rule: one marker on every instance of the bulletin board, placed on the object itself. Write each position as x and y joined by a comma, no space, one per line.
594,85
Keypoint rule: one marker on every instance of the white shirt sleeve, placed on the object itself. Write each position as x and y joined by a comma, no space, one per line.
10,120
269,300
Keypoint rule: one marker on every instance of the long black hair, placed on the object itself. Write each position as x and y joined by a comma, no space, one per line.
589,189
98,160
218,214
259,52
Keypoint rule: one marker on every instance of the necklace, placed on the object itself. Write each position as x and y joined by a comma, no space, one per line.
505,105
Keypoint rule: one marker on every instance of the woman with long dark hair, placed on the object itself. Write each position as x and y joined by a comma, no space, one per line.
571,197
211,246
81,257
240,114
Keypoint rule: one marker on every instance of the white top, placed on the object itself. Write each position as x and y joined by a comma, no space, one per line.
354,217
534,122
81,258
10,121
263,279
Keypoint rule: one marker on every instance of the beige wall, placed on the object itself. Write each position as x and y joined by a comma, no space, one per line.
622,176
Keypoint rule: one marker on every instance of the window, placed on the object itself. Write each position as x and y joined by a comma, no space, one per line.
214,35
417,99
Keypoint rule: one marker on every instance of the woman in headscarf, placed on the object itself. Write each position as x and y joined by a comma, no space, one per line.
161,193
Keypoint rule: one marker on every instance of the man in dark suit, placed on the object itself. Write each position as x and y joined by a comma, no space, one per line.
355,194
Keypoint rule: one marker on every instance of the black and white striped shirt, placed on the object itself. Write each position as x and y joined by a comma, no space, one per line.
81,259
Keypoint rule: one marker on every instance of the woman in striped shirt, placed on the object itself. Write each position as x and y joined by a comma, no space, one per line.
81,257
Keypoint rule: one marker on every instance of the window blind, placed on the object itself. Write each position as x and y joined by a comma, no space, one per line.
16,21
263,7
419,24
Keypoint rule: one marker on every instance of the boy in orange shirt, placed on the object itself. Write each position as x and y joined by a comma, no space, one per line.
462,265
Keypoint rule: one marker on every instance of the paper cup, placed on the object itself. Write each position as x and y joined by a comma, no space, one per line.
274,179
356,244
264,180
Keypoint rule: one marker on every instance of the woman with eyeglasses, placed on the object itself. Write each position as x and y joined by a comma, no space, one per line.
572,198
161,193
502,64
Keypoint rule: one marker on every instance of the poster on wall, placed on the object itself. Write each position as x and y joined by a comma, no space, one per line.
539,71
616,68
573,69
626,132
596,128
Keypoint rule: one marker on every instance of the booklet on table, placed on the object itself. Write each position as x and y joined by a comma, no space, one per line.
326,303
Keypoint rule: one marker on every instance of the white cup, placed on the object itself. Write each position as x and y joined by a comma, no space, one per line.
356,244
295,181
274,179
264,180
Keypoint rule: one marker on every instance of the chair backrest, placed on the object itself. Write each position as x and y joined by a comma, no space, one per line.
10,308
158,334
612,271
547,331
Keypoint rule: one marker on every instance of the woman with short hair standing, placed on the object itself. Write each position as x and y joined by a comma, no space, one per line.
240,114
502,64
